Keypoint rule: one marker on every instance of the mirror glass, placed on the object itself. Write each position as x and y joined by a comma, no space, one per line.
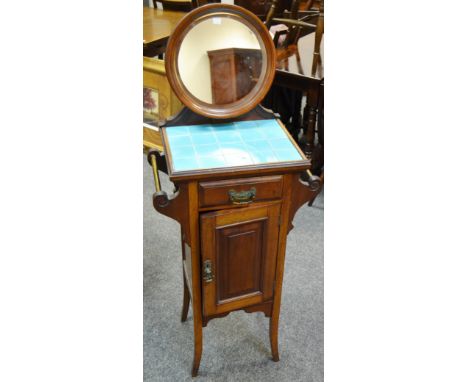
220,60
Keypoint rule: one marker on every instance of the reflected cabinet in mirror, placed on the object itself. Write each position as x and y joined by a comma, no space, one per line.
220,61
224,53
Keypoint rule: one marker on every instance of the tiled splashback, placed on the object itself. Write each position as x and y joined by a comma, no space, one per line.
227,145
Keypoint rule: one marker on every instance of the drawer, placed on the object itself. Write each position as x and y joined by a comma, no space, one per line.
240,191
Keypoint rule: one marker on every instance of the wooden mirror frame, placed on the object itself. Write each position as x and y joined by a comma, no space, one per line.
258,92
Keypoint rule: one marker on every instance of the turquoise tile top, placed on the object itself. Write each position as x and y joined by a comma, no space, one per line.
227,145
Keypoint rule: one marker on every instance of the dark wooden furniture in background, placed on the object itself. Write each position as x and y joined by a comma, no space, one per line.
306,77
234,72
261,7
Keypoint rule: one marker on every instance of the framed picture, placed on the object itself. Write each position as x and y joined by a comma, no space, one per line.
150,104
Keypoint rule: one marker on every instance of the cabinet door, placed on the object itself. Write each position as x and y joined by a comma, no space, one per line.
239,247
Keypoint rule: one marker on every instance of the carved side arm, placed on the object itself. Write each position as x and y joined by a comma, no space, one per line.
304,189
175,205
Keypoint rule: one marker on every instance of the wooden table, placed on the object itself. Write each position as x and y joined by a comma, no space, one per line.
158,25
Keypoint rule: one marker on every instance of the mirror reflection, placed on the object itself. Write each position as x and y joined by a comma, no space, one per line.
220,60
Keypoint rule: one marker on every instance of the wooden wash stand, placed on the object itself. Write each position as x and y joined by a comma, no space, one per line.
240,178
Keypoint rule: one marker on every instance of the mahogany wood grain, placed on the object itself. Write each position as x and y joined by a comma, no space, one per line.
174,206
264,307
216,193
239,258
247,250
284,224
302,193
241,245
196,276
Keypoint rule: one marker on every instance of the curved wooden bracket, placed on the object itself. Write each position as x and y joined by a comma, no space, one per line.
303,193
174,206
161,201
315,185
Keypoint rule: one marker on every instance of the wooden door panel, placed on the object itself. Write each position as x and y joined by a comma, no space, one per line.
241,245
239,259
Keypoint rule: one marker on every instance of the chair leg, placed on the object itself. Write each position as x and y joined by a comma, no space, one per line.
186,303
310,135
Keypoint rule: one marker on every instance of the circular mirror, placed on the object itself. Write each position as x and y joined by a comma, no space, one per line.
220,61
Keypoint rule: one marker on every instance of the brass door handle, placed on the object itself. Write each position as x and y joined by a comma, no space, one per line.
242,197
207,271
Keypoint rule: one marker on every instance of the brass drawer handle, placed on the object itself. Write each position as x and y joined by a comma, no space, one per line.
207,271
242,197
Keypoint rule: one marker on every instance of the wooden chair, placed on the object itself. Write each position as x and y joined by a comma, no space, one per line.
177,5
261,7
297,22
203,2
317,63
